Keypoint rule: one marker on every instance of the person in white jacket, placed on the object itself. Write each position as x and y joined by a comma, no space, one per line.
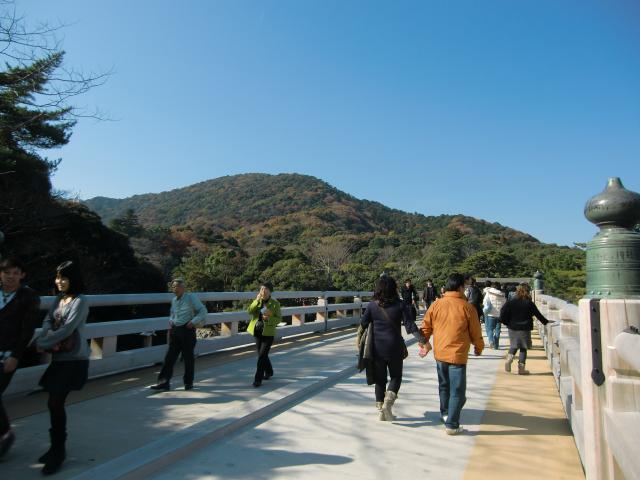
494,300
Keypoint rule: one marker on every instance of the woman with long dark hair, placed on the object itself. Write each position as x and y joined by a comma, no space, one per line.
386,313
517,314
63,336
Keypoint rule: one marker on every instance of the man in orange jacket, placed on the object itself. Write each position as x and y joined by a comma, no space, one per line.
454,324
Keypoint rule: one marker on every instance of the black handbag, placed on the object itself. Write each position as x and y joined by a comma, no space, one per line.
259,325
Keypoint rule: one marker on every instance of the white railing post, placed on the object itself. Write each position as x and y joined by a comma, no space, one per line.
103,347
297,319
322,316
357,312
228,329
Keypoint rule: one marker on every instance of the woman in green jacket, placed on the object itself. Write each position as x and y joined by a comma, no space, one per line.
265,316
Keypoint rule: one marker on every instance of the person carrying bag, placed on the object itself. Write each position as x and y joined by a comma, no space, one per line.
63,335
385,314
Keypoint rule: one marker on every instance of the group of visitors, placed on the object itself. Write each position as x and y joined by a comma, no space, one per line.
61,336
187,313
453,323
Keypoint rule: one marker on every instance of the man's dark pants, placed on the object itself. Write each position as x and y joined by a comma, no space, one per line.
5,379
452,382
181,339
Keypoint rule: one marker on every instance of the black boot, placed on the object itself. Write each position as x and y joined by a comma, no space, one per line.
57,455
44,458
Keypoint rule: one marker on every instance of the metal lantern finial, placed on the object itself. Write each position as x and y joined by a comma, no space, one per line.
613,255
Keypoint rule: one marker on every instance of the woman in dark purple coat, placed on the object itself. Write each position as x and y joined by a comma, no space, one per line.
386,312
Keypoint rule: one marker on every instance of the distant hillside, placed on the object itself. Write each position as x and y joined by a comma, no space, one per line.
295,206
302,233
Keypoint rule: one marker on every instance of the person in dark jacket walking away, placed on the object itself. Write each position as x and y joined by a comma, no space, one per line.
473,294
19,314
410,297
517,316
63,336
387,313
429,294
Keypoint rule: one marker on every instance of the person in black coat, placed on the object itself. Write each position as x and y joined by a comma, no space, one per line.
430,294
473,293
517,314
410,297
19,316
387,313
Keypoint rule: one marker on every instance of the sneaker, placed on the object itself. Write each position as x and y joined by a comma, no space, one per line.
454,431
443,418
6,441
161,386
188,386
257,383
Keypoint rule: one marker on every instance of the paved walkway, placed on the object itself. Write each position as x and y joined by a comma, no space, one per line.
314,419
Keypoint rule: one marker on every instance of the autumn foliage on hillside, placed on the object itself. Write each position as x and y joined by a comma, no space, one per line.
301,233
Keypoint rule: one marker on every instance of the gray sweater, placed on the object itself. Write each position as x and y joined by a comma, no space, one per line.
74,318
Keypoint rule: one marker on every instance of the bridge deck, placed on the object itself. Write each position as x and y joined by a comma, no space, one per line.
314,419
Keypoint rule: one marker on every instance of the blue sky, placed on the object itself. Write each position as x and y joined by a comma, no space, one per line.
512,111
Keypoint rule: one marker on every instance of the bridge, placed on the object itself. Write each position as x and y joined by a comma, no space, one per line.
576,416
315,418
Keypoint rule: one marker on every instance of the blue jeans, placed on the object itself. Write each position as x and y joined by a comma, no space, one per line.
492,325
452,384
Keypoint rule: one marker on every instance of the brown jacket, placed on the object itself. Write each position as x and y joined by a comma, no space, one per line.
455,326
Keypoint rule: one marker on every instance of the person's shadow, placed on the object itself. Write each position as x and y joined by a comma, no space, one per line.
515,423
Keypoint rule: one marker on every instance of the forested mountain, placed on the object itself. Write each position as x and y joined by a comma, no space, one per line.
230,232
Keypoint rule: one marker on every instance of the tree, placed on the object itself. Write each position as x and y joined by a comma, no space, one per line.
293,274
355,276
491,263
261,261
196,276
36,114
216,270
225,264
329,254
127,224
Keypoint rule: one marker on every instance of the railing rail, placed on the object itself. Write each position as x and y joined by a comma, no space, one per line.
614,407
562,344
107,359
